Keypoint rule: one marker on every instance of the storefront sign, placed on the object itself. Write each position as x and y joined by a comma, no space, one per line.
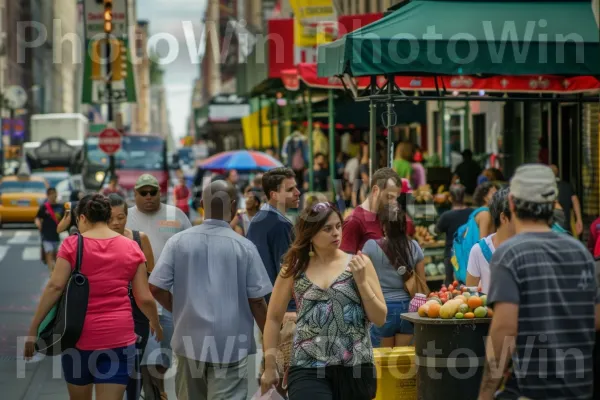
285,54
307,15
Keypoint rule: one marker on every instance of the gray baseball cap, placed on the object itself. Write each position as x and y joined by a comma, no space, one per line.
146,180
535,183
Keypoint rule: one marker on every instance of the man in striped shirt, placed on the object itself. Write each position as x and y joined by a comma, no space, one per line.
545,299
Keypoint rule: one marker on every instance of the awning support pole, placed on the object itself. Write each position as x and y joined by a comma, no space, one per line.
390,110
279,132
288,113
271,126
372,129
309,119
467,127
445,139
331,111
260,124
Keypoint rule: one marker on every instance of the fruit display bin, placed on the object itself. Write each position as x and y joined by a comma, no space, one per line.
449,353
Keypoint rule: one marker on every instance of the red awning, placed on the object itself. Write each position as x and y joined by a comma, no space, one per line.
307,73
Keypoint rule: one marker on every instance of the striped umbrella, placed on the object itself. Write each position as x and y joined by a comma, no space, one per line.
241,160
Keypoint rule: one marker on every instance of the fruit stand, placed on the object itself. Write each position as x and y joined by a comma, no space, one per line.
449,336
425,212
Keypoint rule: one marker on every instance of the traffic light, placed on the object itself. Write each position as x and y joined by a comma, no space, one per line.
108,16
119,63
118,66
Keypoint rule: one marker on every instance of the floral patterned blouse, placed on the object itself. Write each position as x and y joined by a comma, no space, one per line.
332,327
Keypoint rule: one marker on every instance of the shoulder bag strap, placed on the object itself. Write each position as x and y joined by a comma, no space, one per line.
51,212
485,250
137,237
79,253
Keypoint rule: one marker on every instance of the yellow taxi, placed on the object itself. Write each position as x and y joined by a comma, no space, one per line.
21,198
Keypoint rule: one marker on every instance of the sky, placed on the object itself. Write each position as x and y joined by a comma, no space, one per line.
168,18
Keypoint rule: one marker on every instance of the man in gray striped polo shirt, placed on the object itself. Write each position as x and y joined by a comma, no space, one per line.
545,299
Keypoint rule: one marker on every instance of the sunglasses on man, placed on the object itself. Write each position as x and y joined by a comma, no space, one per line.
144,193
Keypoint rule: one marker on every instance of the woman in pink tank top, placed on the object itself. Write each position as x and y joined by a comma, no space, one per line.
105,353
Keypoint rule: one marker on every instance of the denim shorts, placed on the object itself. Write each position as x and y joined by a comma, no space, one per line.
393,323
86,367
50,247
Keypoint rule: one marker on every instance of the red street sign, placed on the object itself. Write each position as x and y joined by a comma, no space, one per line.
109,141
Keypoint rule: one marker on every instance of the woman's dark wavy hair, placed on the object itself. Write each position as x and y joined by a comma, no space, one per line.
396,244
309,224
117,201
480,193
95,207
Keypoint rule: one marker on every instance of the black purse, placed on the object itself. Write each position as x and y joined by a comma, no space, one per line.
61,329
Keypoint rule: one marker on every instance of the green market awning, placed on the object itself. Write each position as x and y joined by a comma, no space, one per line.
471,38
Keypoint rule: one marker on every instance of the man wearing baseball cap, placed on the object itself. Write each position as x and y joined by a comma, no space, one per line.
160,222
545,300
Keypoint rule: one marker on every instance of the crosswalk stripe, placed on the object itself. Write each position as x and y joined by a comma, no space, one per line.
20,237
31,253
3,251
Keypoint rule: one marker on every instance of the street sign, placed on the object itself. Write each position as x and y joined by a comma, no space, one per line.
109,141
95,74
94,19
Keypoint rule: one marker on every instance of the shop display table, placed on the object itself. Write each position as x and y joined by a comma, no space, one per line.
449,355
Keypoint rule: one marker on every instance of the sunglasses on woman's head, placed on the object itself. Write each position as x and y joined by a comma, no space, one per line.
320,207
145,193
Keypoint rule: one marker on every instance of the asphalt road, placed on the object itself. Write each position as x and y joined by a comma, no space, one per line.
22,279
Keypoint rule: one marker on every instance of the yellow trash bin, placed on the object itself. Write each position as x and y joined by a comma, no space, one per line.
396,373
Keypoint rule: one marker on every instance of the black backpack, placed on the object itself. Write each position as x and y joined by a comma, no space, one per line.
61,329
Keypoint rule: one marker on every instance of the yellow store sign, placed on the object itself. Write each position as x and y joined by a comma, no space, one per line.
309,16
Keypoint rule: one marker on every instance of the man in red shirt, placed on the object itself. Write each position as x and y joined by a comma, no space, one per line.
363,223
181,194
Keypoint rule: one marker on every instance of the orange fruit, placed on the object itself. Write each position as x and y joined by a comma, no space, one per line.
469,315
474,302
423,310
434,310
490,313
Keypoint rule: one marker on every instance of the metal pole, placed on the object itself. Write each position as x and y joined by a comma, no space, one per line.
260,124
109,118
331,111
390,110
467,127
271,125
288,114
445,140
372,130
279,131
311,167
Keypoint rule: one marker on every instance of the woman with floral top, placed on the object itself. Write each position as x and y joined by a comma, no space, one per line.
338,297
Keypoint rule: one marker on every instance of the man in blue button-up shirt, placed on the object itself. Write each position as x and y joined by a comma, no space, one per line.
219,283
270,230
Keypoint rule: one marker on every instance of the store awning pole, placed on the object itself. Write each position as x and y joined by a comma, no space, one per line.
309,118
271,126
390,111
445,138
372,130
260,124
331,110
